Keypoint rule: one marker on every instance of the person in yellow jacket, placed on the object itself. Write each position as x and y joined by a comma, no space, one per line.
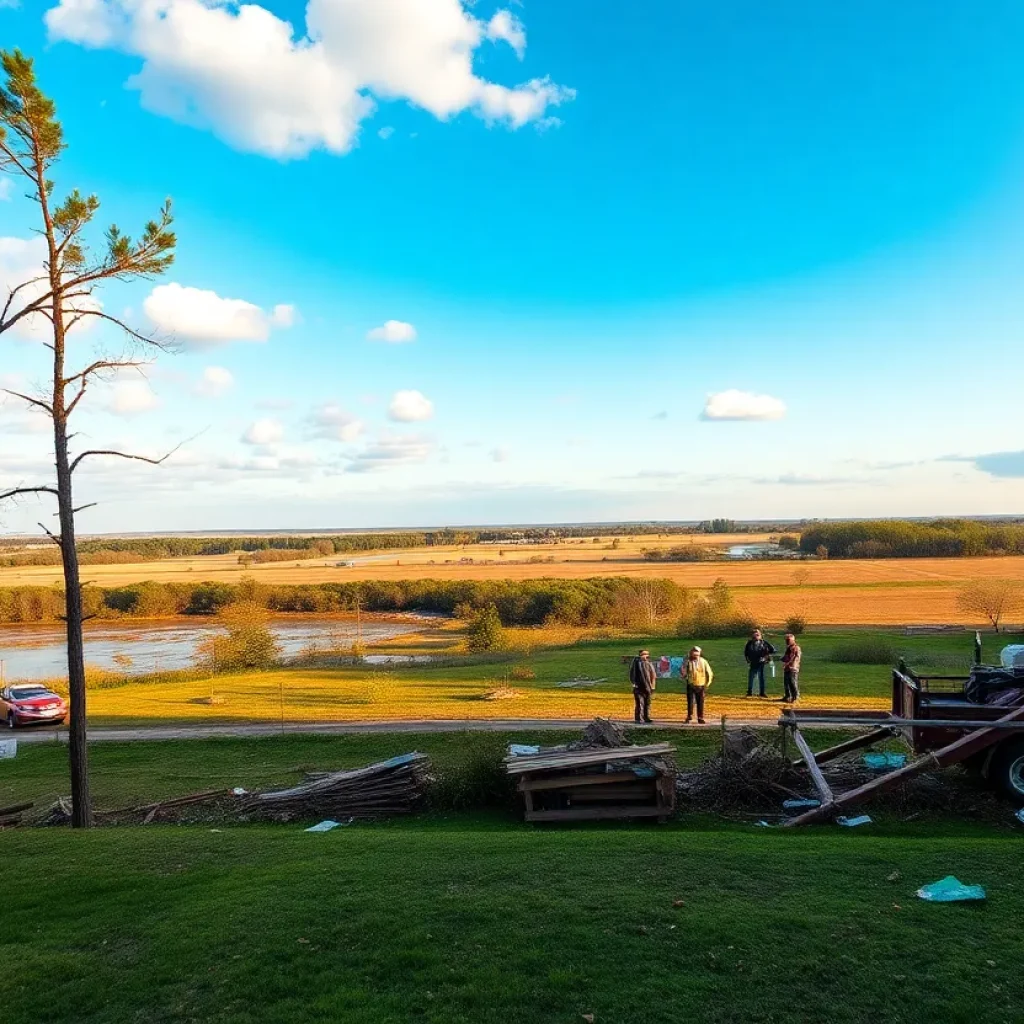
698,675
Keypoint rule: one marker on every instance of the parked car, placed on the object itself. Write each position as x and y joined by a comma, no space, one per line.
31,703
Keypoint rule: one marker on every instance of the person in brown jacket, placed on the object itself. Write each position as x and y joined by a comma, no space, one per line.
791,670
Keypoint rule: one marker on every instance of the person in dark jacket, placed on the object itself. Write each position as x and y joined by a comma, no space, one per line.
758,653
644,679
791,659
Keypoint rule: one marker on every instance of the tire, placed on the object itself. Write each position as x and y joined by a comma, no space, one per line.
1006,770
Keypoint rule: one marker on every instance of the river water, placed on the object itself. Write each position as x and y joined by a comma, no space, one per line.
38,652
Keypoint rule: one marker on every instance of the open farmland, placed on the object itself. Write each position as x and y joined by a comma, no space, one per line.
847,592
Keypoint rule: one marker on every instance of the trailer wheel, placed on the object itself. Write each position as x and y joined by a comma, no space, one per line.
1006,770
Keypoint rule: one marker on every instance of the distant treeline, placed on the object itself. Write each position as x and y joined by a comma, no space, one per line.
894,538
590,602
287,548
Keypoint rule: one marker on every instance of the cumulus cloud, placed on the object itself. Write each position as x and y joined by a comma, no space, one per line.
214,382
394,332
332,423
263,432
386,132
500,454
743,405
21,261
251,78
410,407
390,451
6,190
504,25
131,398
202,319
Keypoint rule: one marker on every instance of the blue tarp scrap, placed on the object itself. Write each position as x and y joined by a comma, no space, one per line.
950,890
795,805
863,819
876,760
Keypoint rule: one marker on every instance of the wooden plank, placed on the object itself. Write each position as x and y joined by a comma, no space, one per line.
620,791
916,723
541,762
535,785
596,813
15,809
812,766
858,742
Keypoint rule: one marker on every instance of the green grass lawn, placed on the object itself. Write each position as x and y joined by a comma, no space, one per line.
478,921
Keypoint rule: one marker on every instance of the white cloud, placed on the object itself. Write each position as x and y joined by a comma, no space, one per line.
275,404
331,422
131,397
392,450
386,132
215,382
504,25
263,432
743,405
21,260
6,191
394,332
202,319
248,76
410,407
500,454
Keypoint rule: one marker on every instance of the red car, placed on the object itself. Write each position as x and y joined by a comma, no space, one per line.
31,704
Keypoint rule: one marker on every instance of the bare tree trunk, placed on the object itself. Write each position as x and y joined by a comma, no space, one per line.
81,800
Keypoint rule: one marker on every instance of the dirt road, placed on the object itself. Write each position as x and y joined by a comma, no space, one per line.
342,728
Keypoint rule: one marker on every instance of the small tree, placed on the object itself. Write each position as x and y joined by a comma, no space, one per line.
486,632
247,642
991,599
59,297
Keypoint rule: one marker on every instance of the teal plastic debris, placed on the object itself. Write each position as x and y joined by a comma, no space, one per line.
1020,815
326,826
950,890
854,822
885,760
795,805
522,749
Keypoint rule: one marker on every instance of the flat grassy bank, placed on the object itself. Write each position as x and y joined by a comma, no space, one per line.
470,920
529,684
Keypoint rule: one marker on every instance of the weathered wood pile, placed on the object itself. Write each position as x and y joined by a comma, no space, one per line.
10,817
383,790
596,783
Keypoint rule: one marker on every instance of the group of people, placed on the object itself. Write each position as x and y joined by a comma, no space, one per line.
698,675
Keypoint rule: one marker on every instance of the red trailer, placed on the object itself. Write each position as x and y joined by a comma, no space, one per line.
940,722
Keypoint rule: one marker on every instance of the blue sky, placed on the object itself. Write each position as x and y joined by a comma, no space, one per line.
603,226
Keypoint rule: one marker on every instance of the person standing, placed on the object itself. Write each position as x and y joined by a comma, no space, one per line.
698,675
758,653
644,680
791,670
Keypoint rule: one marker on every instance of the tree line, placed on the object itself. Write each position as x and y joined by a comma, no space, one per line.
894,538
589,602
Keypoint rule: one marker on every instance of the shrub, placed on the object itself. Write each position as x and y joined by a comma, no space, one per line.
796,624
476,780
868,650
522,672
247,642
486,632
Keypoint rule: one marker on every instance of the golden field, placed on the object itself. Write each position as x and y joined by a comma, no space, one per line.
848,592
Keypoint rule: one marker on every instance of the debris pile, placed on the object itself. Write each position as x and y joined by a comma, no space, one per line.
601,733
11,816
383,790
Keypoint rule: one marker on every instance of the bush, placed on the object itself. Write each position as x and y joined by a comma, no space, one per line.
520,673
701,628
247,642
486,632
796,624
476,780
868,650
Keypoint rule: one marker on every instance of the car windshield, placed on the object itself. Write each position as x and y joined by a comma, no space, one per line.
29,692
